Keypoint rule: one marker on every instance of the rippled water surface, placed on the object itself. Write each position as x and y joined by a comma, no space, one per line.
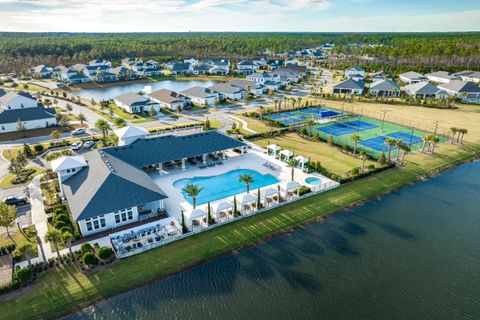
414,254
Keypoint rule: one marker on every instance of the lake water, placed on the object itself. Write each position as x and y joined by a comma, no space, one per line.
414,254
116,90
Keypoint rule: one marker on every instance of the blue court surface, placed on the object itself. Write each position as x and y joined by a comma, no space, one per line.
293,120
343,128
378,143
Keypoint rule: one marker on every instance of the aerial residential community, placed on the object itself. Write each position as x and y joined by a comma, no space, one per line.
151,161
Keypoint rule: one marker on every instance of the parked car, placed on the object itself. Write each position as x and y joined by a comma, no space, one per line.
89,144
16,200
78,131
77,145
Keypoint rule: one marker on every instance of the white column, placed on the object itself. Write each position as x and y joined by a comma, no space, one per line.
204,158
160,167
224,155
242,150
183,163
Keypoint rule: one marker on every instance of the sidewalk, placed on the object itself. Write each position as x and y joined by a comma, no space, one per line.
39,217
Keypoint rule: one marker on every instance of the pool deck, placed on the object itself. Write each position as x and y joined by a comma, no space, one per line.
253,159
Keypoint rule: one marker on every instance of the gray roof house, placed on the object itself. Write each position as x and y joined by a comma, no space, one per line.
169,98
357,73
135,103
381,75
467,92
467,75
226,90
255,88
425,90
385,88
412,77
41,71
181,69
349,87
441,77
201,95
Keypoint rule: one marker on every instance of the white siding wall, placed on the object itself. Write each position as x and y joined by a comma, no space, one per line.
34,124
109,222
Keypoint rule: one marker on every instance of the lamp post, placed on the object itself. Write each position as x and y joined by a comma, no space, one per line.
383,118
436,127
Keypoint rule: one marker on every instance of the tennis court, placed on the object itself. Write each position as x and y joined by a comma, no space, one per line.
348,127
301,116
378,143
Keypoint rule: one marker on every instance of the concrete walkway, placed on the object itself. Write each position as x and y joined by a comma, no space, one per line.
243,122
39,217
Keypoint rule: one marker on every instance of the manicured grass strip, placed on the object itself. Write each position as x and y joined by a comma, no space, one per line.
7,180
59,292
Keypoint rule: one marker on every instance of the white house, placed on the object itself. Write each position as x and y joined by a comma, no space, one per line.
201,95
381,75
412,77
182,69
425,90
355,72
219,67
441,77
99,62
349,87
246,67
469,76
254,88
135,103
22,109
170,99
41,71
259,61
227,91
466,92
385,88
193,61
260,77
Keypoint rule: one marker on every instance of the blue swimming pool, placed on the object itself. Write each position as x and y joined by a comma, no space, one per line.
224,185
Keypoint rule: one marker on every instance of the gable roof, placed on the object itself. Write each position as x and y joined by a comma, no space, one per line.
246,63
422,88
26,114
225,88
132,99
130,131
68,163
145,152
385,85
10,95
468,73
166,96
198,92
244,83
355,68
107,185
460,87
181,66
441,74
411,75
350,84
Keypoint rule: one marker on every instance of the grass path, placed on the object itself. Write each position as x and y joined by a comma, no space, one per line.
60,292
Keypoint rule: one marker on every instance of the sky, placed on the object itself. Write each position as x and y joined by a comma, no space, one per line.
239,15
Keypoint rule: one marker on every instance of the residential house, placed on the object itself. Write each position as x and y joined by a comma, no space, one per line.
220,67
100,73
41,71
441,77
260,61
412,77
193,61
349,87
286,75
182,69
260,77
99,63
469,76
201,95
272,85
169,65
22,109
291,61
385,88
355,73
135,103
201,69
246,67
227,91
170,99
425,90
466,92
254,88
78,67
69,75
275,63
124,73
127,62
381,75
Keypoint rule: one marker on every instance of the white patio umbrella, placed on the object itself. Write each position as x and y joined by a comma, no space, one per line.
195,214
246,199
268,194
289,187
222,206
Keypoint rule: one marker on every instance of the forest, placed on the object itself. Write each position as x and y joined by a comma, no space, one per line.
417,51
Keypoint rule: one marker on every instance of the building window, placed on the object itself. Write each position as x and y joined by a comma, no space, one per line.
102,222
130,215
124,216
117,218
89,226
96,225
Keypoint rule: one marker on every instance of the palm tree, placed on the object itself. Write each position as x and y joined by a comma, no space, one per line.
363,155
454,131
426,139
406,149
67,238
434,140
463,131
120,122
292,163
192,190
247,179
390,142
309,123
25,249
103,126
355,138
399,144
54,237
113,140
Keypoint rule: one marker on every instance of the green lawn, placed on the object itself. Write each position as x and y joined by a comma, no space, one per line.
7,180
330,157
20,237
121,112
254,124
59,292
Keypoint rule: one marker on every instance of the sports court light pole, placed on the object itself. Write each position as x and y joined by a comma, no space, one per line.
383,119
436,127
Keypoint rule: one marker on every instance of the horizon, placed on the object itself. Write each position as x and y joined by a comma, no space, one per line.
171,16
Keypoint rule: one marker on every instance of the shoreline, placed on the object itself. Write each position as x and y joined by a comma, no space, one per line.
347,196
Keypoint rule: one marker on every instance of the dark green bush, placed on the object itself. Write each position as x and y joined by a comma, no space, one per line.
24,274
86,247
61,217
59,225
104,253
38,148
89,259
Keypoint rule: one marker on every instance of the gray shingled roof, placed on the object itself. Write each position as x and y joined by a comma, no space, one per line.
244,83
460,87
225,88
132,99
385,85
198,92
26,114
423,88
181,66
166,96
144,152
108,185
350,84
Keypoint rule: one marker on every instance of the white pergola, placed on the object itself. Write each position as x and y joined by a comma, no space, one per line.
245,201
267,195
289,187
286,154
195,218
302,161
222,210
274,148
